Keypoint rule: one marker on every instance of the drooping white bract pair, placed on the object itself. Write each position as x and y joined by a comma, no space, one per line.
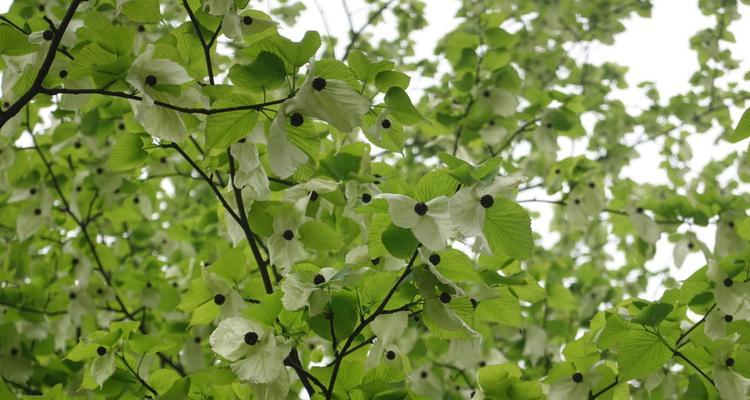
250,174
429,221
284,246
257,355
158,79
468,206
329,100
306,288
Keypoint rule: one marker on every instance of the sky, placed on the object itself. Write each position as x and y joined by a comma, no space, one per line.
654,49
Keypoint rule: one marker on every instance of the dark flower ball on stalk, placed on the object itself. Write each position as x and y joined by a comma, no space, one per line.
728,282
251,338
423,374
101,350
313,195
487,201
375,261
319,279
578,377
247,20
32,191
728,318
729,362
434,259
219,299
288,235
385,123
366,198
37,212
63,73
141,28
390,355
319,83
48,34
296,119
151,80
445,298
420,208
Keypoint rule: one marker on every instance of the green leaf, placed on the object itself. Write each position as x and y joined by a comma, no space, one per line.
13,42
434,184
507,227
742,131
641,353
265,72
457,266
399,242
142,10
343,305
653,314
320,236
232,265
401,107
178,391
225,128
127,153
385,80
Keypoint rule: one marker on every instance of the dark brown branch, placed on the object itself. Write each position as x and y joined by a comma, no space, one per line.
187,110
36,86
356,34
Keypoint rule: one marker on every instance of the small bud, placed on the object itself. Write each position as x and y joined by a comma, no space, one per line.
319,83
445,298
385,123
219,299
434,259
578,377
366,198
390,355
296,119
288,235
247,20
420,208
151,80
101,350
48,35
487,201
251,338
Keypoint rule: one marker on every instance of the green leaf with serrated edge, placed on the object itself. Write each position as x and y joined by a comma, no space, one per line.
641,353
653,314
320,236
400,242
399,104
142,10
435,184
13,43
507,227
225,128
232,265
266,72
127,153
742,130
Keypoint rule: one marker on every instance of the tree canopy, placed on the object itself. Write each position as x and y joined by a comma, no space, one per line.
195,206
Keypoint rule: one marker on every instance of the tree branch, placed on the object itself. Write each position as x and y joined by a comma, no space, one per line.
356,34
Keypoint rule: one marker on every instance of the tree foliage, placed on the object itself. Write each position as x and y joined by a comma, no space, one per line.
195,206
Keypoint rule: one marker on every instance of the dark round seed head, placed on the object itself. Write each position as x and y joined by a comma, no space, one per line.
375,261
121,126
423,374
728,282
247,20
41,8
578,377
729,362
557,171
487,201
491,122
14,352
78,189
174,284
243,140
730,224
163,160
366,198
319,83
313,195
385,123
219,299
445,298
548,125
577,201
99,170
482,364
99,291
48,35
63,73
141,28
197,339
75,261
639,210
377,175
72,295
136,200
420,208
377,182
149,285
251,338
474,303
319,279
77,145
728,318
101,350
434,259
37,211
296,119
32,191
390,354
151,80
288,235
486,93
592,185
690,245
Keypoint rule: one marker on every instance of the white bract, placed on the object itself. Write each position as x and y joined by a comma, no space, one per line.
250,174
283,155
468,205
331,100
257,355
429,221
284,245
300,290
